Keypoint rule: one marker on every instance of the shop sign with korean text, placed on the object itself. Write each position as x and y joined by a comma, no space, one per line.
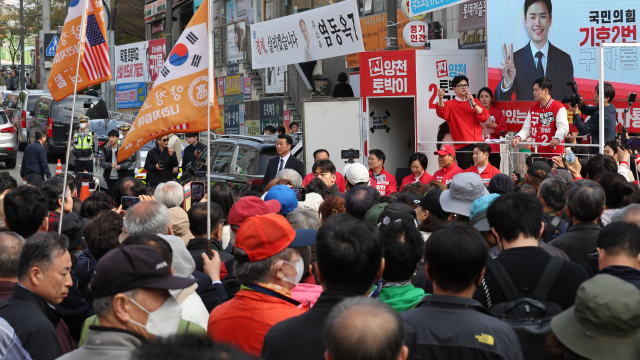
390,73
322,33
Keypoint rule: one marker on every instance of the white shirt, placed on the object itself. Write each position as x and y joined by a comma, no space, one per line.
114,160
284,159
545,52
481,169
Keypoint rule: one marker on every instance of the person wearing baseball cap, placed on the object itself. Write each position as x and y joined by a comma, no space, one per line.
132,302
268,266
429,213
448,166
285,196
356,174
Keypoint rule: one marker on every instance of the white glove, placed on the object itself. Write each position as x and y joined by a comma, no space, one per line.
96,181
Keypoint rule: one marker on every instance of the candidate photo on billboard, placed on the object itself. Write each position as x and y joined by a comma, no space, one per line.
559,40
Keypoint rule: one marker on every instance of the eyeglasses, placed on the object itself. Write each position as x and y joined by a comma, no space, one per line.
462,86
164,140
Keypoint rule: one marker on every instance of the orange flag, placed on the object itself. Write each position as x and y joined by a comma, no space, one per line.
177,103
93,51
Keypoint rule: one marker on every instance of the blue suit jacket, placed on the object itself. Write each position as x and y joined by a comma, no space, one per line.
272,168
559,70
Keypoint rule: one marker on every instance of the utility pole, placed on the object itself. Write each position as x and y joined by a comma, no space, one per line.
392,26
168,32
46,16
21,45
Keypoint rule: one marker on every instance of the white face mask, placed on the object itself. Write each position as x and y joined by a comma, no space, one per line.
299,266
164,321
83,125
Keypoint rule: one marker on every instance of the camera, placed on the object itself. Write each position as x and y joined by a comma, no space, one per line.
574,98
350,154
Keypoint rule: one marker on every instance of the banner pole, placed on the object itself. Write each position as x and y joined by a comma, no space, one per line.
210,91
80,50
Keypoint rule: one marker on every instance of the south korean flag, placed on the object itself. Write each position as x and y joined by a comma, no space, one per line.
188,56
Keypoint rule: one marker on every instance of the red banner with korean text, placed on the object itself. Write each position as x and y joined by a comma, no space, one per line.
390,73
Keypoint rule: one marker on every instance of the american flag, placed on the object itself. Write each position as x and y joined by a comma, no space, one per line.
96,54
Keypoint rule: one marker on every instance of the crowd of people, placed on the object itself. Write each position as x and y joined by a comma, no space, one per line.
467,263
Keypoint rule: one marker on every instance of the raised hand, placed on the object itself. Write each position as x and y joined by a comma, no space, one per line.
508,67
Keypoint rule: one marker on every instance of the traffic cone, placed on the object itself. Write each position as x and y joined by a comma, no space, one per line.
59,168
84,191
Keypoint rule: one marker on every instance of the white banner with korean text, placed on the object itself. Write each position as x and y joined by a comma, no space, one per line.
131,63
325,32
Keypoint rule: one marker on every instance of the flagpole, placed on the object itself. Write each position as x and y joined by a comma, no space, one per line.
209,105
80,49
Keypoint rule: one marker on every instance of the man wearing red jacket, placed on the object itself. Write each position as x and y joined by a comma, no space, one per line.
381,179
448,166
463,118
322,154
482,167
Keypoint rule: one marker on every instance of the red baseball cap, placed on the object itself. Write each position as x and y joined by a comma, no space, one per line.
251,206
264,236
445,150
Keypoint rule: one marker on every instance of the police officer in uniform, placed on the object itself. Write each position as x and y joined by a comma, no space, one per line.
83,140
124,130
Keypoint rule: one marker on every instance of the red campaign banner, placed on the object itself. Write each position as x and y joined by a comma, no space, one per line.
388,73
156,56
515,112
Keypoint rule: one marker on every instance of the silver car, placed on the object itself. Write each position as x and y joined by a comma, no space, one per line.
8,144
22,114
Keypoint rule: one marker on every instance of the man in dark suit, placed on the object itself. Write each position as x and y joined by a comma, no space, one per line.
284,160
539,58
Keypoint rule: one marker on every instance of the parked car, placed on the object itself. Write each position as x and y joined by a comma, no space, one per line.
22,115
8,144
10,102
238,160
54,117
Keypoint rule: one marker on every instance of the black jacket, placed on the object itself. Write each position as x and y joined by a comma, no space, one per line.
188,155
75,310
155,176
34,322
34,160
525,266
559,70
300,337
272,168
211,294
579,241
106,161
342,90
592,127
625,273
198,246
452,327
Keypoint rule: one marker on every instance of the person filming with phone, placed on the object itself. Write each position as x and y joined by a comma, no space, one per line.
113,170
160,163
592,127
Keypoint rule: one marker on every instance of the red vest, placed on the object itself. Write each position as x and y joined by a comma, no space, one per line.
543,126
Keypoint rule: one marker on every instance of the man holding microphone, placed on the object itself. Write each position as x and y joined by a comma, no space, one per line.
464,114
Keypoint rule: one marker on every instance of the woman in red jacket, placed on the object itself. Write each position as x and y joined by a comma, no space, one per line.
418,163
494,127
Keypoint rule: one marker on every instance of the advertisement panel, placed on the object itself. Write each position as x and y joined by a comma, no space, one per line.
245,10
325,32
391,73
271,113
154,8
130,95
567,43
231,119
156,55
233,85
472,15
236,41
374,35
131,63
419,7
246,88
275,79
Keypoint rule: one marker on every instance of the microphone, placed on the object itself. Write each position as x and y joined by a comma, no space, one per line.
472,103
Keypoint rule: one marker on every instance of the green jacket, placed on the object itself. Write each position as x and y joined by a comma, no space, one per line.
184,327
401,298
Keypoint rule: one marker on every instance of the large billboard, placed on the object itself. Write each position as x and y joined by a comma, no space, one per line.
559,40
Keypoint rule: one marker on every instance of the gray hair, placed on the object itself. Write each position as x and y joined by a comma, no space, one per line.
351,333
149,217
102,305
301,218
248,271
41,250
629,214
586,200
171,194
10,247
290,175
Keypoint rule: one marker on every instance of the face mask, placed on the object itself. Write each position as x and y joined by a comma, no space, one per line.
299,266
164,321
83,125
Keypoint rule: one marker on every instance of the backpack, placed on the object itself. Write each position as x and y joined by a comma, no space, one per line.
530,317
557,226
